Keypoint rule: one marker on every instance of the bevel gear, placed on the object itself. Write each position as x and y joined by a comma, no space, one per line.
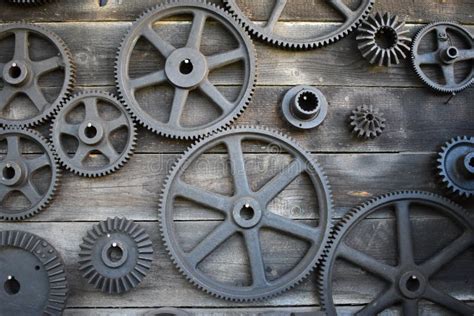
20,76
95,134
186,69
456,166
352,18
382,40
454,46
409,281
246,214
367,122
32,275
115,255
19,174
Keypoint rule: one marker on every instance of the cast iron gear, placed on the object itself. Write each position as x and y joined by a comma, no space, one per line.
409,281
456,166
245,214
454,46
367,122
187,69
32,177
266,32
304,107
115,255
95,134
32,275
20,76
383,40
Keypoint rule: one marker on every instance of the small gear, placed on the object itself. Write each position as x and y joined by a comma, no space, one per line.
352,17
453,54
456,166
382,40
32,275
407,281
104,144
32,177
187,71
367,122
115,255
20,76
304,107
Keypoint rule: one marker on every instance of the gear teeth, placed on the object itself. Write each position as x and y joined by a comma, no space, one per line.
367,122
31,2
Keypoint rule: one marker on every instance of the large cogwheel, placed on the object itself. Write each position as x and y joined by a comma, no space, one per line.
32,275
407,279
27,182
27,71
246,215
279,36
115,255
191,70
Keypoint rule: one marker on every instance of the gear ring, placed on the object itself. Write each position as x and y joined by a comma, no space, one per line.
409,281
115,255
93,134
352,18
20,74
17,174
32,275
246,213
367,122
446,55
186,69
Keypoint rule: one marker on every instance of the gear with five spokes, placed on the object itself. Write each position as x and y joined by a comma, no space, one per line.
367,122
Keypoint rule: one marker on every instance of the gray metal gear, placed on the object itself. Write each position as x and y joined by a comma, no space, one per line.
304,107
32,275
352,17
115,255
448,53
20,76
187,69
18,172
367,122
94,134
383,40
456,166
246,213
408,282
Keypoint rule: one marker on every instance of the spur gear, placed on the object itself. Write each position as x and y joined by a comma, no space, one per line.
408,281
246,215
115,255
382,40
456,166
32,276
367,122
454,46
20,76
304,107
32,177
104,144
187,71
352,17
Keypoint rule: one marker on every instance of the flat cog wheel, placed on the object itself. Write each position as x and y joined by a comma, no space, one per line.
115,255
245,214
367,122
21,74
32,177
186,70
108,141
32,276
407,281
268,32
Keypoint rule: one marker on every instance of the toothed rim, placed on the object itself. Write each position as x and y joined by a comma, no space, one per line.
69,74
110,168
363,129
224,123
51,261
278,41
165,235
31,2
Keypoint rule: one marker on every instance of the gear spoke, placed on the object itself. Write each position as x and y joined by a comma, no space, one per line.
221,60
21,45
179,102
13,147
31,193
197,28
276,13
427,58
152,79
37,97
300,230
216,96
81,153
69,129
117,123
109,151
448,74
257,266
163,46
464,54
410,307
441,37
405,244
47,65
342,8
38,163
6,96
92,110
447,301
383,301
4,191
237,164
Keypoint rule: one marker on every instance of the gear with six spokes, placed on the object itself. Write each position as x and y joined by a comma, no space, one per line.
32,275
116,255
409,281
367,122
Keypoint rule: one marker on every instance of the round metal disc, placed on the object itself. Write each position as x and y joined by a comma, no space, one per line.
320,104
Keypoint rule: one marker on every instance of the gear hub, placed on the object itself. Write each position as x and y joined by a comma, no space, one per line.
304,107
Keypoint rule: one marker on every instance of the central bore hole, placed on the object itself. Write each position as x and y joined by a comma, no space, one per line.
8,173
413,284
386,38
471,162
12,286
186,67
308,102
90,131
453,52
14,71
369,117
247,212
115,253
